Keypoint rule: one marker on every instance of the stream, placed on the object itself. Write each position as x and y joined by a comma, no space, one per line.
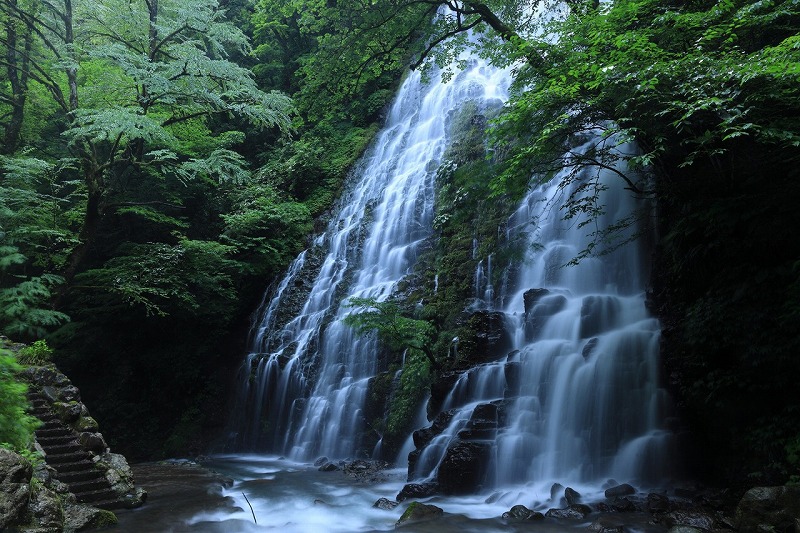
295,497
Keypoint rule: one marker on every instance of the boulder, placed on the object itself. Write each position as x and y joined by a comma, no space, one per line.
769,509
607,524
657,503
572,496
573,512
419,512
417,490
696,519
78,517
520,512
321,461
620,490
15,477
92,442
386,504
463,467
45,509
328,467
621,504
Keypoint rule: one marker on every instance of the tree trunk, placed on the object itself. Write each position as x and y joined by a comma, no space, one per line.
18,69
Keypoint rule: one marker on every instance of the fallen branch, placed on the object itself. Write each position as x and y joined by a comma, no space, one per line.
251,508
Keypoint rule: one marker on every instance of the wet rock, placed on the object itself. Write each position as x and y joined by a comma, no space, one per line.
463,467
572,496
487,339
92,442
363,469
573,512
15,476
321,461
657,503
511,371
440,388
419,512
540,312
520,512
769,509
620,490
556,490
607,524
622,504
482,424
45,508
588,348
422,437
597,314
417,490
79,517
328,467
531,297
697,519
386,504
685,529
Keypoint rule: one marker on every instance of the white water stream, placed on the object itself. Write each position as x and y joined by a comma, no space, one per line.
369,245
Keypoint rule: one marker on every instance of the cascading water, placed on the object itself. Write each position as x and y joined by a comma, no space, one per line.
578,400
306,377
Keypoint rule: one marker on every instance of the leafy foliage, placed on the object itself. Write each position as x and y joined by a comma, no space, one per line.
386,319
16,427
38,353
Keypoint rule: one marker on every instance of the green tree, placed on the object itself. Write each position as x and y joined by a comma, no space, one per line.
149,69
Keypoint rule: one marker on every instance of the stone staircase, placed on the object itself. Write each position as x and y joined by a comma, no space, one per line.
73,464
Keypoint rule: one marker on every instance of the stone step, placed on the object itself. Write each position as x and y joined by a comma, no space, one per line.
60,449
53,423
96,495
58,431
69,457
56,440
74,476
90,485
75,466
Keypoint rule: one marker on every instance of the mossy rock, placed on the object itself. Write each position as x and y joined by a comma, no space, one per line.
419,512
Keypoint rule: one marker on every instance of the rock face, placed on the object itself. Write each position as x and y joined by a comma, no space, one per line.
15,477
769,509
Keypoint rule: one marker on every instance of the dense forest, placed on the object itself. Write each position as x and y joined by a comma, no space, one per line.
163,162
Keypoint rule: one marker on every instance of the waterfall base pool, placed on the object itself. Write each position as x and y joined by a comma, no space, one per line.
298,498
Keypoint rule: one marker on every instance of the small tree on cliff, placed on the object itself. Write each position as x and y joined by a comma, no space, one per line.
397,331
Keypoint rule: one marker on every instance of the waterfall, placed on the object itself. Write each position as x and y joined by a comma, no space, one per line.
578,399
304,384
